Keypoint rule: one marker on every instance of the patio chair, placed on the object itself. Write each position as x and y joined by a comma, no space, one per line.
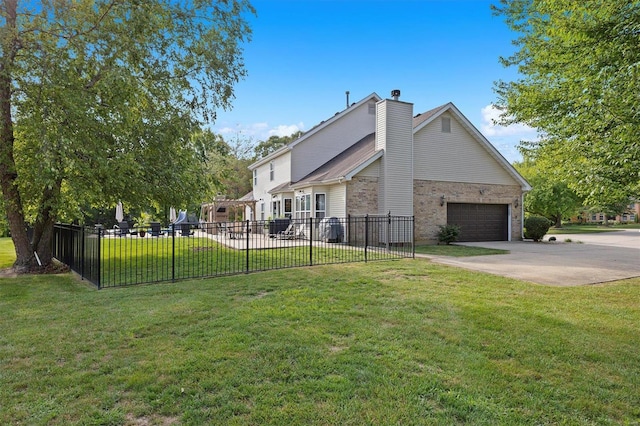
290,233
156,231
185,229
123,229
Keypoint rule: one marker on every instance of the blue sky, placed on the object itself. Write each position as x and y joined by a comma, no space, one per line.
306,53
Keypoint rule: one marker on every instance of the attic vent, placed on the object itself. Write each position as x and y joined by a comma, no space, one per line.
372,109
446,124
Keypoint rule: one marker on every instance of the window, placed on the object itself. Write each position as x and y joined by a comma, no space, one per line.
446,124
275,209
262,210
271,170
372,108
288,207
321,205
303,206
255,177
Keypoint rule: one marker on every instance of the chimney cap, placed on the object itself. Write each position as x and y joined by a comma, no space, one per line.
395,94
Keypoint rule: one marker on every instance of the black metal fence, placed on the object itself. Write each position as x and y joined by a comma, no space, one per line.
127,256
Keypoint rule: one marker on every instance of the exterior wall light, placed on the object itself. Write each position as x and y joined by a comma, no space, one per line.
442,199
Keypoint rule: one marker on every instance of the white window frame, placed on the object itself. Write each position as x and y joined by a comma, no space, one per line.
288,213
445,124
271,171
320,213
255,177
303,206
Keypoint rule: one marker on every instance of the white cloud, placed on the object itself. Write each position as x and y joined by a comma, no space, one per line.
286,130
491,114
259,131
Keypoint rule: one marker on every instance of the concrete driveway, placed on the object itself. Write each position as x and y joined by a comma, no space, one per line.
587,259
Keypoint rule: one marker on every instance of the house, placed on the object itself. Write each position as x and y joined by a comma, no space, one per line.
631,215
376,157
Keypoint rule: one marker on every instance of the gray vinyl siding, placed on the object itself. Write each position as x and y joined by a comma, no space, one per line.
337,200
455,156
324,145
372,170
282,174
397,163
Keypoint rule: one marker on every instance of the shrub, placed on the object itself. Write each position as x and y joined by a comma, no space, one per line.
535,227
448,233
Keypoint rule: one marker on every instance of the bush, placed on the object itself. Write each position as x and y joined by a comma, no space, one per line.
448,233
535,227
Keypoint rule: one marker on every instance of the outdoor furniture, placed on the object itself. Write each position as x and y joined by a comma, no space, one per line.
156,230
291,233
235,230
185,229
123,229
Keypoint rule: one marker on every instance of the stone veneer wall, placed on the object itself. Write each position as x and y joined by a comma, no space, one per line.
362,195
429,214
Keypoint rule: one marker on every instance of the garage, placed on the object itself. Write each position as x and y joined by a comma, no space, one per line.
480,222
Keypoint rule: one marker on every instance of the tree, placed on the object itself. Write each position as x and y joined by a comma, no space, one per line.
274,143
227,164
580,85
98,102
550,196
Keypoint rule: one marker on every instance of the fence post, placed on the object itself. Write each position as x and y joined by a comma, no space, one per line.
413,237
247,247
82,249
310,241
388,231
173,252
349,229
366,236
99,262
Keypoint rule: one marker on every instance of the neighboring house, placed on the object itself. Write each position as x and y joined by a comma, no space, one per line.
375,157
630,216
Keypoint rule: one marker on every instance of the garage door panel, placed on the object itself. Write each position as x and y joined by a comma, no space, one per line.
480,222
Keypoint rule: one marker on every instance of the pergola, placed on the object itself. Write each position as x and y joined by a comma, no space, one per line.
227,210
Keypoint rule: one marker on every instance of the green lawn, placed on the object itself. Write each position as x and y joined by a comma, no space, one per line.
591,228
399,342
143,260
456,250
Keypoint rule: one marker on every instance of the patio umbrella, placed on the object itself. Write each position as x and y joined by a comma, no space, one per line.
172,214
119,212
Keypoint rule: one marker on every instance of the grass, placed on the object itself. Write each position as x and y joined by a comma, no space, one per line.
399,342
456,250
591,228
144,260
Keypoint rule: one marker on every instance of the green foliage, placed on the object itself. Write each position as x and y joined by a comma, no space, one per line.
579,87
106,97
274,143
448,233
536,227
550,196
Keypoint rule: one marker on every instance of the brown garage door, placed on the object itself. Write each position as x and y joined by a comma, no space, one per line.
480,222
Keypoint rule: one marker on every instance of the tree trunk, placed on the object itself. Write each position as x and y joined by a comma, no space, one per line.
43,229
558,221
25,258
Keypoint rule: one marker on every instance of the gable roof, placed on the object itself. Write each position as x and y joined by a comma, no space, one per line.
344,165
373,96
422,120
427,115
